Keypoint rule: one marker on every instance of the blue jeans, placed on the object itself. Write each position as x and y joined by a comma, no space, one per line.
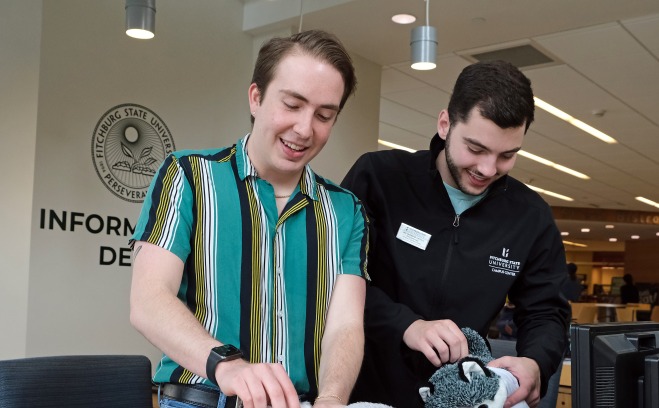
170,403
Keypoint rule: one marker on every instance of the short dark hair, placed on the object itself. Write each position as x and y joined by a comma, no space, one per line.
628,279
501,91
316,43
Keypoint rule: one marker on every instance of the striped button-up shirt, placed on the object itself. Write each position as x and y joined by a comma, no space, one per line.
253,278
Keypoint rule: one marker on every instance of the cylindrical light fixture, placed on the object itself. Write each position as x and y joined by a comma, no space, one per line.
424,47
141,18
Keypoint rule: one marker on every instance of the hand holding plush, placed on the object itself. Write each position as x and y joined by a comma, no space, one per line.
469,382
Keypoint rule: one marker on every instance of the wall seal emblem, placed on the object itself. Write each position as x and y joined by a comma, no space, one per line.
128,144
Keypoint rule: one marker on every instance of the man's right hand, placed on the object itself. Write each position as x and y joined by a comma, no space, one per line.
441,341
258,385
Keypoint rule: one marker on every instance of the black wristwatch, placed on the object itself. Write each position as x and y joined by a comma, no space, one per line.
219,354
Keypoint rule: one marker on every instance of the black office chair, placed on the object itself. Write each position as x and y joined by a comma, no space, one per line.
105,381
502,348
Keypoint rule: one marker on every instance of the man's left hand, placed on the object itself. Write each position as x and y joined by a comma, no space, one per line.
527,373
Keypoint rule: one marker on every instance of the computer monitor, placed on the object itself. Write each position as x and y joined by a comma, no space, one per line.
616,283
615,365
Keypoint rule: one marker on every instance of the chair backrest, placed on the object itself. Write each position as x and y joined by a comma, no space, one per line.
625,314
586,313
576,308
76,381
654,316
640,306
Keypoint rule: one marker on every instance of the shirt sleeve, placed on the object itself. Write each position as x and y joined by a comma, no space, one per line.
355,255
166,216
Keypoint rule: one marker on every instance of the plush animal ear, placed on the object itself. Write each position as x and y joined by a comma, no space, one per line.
469,365
427,391
477,346
469,368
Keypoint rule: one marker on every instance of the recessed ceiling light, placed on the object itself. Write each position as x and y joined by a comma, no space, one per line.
613,239
585,229
635,237
658,234
565,234
609,226
403,19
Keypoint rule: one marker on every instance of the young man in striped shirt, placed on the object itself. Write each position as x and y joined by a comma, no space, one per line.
249,269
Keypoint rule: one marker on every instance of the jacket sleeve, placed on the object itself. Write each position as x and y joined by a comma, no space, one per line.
385,319
541,312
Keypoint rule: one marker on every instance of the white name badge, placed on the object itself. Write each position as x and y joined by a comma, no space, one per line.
413,236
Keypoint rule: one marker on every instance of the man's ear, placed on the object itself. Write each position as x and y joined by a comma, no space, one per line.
443,124
254,96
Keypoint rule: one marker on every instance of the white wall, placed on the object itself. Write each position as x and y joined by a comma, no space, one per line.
356,130
194,75
20,35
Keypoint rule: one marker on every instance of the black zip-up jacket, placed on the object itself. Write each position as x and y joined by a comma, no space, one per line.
507,244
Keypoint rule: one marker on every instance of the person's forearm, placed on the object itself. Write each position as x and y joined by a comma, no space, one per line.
340,363
160,316
343,340
170,326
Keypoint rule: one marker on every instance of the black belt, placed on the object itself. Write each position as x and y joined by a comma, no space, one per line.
203,396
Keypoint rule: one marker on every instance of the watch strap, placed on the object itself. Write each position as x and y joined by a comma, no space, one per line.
217,355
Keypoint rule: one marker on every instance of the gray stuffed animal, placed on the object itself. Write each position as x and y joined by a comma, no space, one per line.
469,382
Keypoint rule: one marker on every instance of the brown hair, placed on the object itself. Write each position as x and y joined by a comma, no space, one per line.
316,43
500,90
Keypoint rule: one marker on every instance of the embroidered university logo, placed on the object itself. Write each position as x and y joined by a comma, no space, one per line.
128,145
503,265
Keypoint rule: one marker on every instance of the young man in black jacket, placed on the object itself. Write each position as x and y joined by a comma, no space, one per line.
452,235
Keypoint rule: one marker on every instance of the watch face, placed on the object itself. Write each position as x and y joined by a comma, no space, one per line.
217,355
228,351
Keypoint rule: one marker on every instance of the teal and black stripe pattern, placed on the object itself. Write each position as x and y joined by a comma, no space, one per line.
252,277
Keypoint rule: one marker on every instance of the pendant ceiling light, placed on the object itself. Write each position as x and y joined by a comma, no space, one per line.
141,18
424,45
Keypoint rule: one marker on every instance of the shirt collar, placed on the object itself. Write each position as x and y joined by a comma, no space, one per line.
308,185
244,164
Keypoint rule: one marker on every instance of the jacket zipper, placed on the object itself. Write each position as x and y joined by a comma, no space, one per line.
456,224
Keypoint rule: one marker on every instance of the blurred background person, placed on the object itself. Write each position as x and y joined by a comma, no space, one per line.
506,324
572,287
629,291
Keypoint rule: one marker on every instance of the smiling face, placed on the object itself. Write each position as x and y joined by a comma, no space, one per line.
293,119
477,152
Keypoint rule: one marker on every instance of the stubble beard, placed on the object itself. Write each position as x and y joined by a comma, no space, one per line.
454,169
